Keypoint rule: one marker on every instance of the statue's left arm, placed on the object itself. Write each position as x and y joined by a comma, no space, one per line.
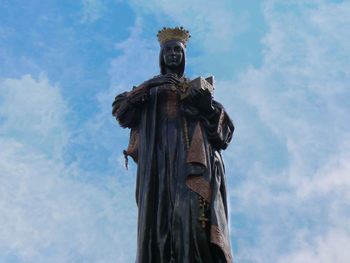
218,125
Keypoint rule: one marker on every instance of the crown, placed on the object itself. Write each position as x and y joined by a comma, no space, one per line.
177,33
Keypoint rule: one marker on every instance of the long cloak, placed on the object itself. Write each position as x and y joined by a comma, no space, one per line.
181,184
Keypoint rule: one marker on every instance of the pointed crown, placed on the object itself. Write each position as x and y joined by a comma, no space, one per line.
177,33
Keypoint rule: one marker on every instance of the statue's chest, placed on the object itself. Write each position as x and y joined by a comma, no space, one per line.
168,102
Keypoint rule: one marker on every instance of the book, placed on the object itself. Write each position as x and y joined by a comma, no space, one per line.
199,83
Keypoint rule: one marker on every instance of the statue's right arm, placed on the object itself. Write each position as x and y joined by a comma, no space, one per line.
127,106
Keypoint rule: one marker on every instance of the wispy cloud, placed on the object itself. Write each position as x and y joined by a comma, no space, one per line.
292,112
48,211
138,59
33,113
210,23
92,10
287,166
330,248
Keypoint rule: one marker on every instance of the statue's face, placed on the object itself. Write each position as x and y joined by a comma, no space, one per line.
172,54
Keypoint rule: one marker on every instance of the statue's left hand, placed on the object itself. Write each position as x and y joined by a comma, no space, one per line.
202,100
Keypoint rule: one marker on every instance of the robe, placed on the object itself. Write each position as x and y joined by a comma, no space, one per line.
181,184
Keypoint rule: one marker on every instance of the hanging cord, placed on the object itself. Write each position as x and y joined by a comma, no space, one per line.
126,159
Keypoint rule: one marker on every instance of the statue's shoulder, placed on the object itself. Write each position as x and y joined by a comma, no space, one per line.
154,77
146,82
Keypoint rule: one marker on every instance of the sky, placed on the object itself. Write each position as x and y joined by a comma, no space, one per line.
282,71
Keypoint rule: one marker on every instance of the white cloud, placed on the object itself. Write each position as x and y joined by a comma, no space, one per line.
47,215
92,10
332,248
33,112
49,212
332,178
292,111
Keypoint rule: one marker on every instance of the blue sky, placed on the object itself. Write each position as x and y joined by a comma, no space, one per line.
282,71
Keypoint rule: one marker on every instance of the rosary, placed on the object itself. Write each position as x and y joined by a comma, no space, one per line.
203,205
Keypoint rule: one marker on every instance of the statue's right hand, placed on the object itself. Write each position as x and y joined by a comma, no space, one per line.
140,94
169,78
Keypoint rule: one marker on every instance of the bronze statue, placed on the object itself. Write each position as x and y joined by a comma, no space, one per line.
177,133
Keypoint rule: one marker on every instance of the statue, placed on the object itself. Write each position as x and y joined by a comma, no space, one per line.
177,133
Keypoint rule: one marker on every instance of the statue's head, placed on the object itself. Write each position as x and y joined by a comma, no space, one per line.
173,49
